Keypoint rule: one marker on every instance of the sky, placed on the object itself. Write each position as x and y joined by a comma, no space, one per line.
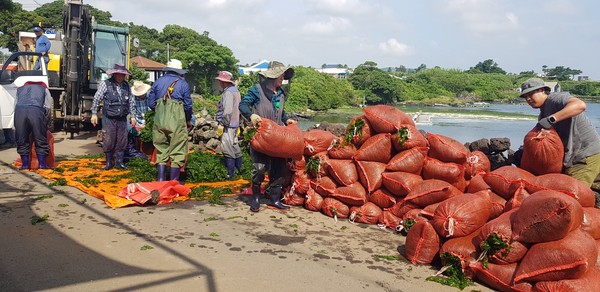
452,34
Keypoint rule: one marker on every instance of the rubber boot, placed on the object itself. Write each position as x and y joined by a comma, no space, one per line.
109,160
174,174
162,172
275,198
238,165
255,200
230,163
24,162
119,160
42,161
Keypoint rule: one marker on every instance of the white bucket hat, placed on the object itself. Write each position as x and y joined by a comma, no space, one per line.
174,65
139,88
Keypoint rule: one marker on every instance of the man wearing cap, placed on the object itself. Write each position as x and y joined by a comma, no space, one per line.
564,113
228,116
266,100
118,102
171,99
42,46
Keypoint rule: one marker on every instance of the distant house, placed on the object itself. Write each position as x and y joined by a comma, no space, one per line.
153,68
583,78
335,71
260,66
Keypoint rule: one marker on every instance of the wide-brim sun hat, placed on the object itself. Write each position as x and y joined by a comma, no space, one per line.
174,65
532,84
139,88
225,76
118,69
276,69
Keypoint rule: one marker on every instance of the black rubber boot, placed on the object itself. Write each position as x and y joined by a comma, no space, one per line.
24,162
42,161
255,200
119,160
230,164
162,172
275,198
238,165
174,174
109,160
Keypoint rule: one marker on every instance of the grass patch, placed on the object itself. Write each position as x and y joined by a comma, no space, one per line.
45,197
59,182
35,219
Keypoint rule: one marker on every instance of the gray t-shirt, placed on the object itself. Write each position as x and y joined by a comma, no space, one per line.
578,135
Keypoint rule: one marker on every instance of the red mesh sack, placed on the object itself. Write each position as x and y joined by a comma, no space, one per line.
543,152
446,171
408,137
382,198
465,248
369,174
289,140
498,277
564,184
591,222
313,201
353,195
400,183
342,151
446,149
429,210
500,229
368,213
300,182
505,180
567,258
33,161
461,215
477,162
390,220
401,207
297,164
477,183
590,281
410,218
410,160
358,131
497,204
377,148
324,186
316,165
386,119
343,171
422,243
431,191
546,216
334,208
516,200
316,141
292,198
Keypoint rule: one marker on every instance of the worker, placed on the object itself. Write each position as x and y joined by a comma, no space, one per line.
228,117
139,91
42,46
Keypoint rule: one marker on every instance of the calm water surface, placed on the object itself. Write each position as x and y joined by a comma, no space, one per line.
471,128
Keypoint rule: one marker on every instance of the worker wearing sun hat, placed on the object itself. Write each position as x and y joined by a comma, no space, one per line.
118,103
565,113
228,116
266,100
171,100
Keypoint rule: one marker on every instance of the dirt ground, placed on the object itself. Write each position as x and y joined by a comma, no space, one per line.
188,246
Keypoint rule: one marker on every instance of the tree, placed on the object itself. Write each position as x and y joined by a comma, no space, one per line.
383,87
487,66
421,67
562,73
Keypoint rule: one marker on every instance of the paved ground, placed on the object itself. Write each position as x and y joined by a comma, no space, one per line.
190,246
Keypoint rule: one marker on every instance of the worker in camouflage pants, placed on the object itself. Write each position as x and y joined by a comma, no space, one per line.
171,100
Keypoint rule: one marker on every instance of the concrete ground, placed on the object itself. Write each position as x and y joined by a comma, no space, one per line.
189,246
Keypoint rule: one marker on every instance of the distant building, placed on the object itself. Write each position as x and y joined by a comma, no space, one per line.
260,66
341,73
153,68
583,78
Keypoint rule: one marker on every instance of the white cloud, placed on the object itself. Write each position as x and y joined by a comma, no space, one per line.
561,7
482,16
340,6
393,46
331,26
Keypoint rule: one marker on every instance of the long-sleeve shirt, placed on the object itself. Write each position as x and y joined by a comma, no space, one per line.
228,114
252,99
42,44
141,107
181,92
101,92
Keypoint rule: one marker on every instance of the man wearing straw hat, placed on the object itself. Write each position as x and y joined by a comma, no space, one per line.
117,100
266,100
138,90
171,99
228,117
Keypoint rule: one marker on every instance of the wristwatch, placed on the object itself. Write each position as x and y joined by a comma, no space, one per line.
552,119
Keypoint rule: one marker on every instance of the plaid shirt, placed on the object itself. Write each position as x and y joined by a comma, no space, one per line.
141,107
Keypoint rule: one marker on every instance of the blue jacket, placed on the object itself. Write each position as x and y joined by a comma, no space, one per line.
42,44
180,92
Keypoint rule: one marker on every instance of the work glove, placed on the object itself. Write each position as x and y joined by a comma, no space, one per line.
133,122
255,119
220,130
291,121
94,119
545,123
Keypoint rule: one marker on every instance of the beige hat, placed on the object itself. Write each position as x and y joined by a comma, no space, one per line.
174,65
276,69
139,88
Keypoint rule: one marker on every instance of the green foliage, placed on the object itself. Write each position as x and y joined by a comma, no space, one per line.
317,91
146,132
208,167
378,86
454,273
491,245
487,66
138,74
212,195
141,170
561,73
59,182
35,219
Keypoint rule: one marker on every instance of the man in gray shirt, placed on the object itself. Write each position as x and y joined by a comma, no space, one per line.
564,113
